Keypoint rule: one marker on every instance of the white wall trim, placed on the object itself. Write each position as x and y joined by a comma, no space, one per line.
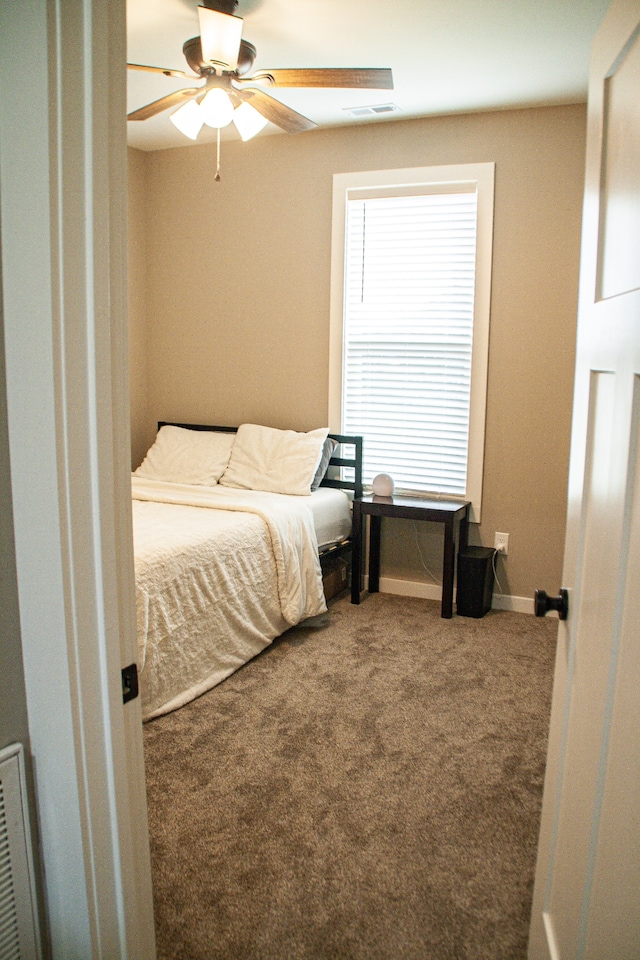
433,591
408,588
503,601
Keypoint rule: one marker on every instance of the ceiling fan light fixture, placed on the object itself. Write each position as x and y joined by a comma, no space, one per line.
248,121
220,35
216,108
188,119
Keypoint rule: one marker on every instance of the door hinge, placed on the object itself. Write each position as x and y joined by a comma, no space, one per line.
129,682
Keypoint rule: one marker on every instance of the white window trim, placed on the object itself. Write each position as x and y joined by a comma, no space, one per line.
348,185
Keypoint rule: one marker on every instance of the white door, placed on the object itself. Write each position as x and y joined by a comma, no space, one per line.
587,890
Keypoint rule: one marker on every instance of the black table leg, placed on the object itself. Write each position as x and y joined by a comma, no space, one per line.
356,552
375,524
448,568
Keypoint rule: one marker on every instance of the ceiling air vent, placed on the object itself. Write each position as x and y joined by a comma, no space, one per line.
377,110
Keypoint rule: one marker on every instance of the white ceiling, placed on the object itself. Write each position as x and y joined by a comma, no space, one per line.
447,56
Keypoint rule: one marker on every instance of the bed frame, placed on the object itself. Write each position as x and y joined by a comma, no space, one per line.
353,486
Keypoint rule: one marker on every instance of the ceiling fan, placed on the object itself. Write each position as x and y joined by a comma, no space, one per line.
221,58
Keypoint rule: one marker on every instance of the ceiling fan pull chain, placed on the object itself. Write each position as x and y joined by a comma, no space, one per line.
217,177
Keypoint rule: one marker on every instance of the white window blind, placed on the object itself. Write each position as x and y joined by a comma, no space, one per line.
408,327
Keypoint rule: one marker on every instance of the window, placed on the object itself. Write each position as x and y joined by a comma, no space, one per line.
411,277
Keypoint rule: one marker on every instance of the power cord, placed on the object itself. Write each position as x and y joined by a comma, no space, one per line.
432,575
495,572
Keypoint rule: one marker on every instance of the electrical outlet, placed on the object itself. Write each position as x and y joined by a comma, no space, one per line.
501,543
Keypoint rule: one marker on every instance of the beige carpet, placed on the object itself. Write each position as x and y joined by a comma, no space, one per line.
367,788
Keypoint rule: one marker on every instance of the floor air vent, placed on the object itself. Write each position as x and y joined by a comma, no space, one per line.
18,924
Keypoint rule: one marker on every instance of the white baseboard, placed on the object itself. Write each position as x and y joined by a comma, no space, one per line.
433,591
409,588
503,601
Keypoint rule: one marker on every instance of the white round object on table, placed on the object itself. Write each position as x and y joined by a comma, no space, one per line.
383,485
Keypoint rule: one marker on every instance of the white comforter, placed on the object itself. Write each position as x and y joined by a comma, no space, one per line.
214,586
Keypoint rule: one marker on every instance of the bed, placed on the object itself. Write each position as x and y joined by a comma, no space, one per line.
232,530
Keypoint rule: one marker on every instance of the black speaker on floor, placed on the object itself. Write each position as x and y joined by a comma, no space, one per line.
475,581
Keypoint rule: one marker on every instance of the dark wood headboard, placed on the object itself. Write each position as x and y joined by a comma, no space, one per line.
341,458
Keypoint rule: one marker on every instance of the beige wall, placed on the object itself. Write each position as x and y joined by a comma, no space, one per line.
236,323
138,316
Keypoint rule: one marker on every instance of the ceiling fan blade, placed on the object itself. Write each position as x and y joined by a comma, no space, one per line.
220,35
166,72
374,78
276,112
151,109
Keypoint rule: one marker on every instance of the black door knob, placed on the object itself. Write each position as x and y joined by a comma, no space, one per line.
544,603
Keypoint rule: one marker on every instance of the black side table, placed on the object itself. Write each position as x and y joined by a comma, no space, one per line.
452,513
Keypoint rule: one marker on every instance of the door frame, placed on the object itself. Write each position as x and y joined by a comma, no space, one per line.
63,196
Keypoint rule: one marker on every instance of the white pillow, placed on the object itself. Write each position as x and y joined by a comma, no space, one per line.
187,456
279,461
